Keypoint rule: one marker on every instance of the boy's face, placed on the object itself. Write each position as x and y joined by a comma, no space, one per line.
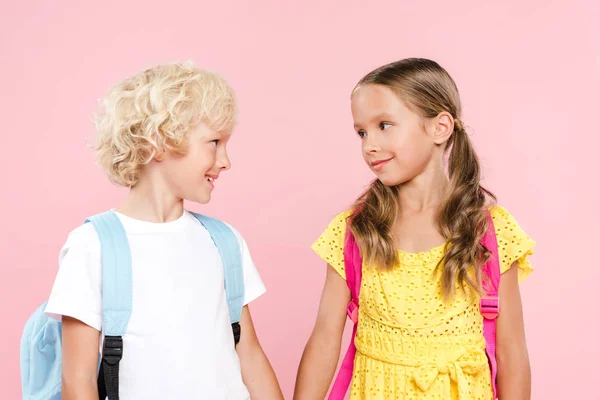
192,176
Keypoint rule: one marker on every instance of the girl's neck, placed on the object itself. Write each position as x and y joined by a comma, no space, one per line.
424,192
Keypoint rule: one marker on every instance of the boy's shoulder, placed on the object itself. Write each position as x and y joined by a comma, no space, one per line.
82,235
229,225
82,238
81,245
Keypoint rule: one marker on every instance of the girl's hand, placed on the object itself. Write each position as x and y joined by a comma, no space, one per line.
322,351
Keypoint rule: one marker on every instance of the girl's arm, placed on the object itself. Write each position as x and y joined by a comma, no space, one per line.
257,373
80,360
514,374
322,351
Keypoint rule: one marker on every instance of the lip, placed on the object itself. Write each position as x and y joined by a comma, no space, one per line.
379,164
214,178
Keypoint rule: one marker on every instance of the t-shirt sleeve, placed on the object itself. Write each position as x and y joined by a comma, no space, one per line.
253,284
330,245
76,292
514,245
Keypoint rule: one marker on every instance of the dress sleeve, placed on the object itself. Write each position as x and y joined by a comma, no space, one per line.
330,245
514,245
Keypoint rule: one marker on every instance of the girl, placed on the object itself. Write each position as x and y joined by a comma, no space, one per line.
419,229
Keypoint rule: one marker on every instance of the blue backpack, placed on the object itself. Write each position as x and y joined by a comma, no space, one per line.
41,342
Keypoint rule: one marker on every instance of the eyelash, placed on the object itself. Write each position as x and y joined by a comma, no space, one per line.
361,133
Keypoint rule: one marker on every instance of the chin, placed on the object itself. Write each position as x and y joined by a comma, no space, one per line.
204,199
387,181
395,178
200,198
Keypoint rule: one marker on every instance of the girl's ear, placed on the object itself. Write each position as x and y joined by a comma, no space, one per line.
442,127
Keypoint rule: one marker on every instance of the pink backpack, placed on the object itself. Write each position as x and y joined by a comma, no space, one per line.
489,307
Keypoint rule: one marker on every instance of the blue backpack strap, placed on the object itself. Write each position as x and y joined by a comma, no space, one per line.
116,272
231,256
116,298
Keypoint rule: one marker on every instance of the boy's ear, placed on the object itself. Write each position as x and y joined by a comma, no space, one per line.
159,155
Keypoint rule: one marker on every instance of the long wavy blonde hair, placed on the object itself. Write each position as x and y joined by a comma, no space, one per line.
462,219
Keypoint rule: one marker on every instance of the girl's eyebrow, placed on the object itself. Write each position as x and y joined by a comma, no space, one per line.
378,117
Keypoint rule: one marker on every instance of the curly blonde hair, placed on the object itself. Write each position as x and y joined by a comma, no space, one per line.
153,111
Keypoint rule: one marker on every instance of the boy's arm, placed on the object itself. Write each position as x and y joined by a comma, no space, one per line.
514,374
257,373
76,300
322,351
80,360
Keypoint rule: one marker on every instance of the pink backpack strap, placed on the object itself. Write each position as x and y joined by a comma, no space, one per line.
353,267
490,302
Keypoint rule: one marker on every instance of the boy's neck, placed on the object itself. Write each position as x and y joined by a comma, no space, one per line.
151,203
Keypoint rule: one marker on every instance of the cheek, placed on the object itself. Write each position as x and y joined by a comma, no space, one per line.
363,150
205,158
411,150
194,164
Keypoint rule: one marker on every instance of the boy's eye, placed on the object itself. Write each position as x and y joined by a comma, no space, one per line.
361,133
384,125
214,142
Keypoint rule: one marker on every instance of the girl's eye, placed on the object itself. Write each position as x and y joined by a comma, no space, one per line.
384,125
361,133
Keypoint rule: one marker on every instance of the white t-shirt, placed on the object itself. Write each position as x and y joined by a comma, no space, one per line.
179,343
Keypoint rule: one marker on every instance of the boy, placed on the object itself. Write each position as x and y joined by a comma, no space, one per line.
163,134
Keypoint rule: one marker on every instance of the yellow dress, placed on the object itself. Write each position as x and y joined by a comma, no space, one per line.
410,344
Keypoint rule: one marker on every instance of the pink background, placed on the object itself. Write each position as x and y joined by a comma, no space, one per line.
528,75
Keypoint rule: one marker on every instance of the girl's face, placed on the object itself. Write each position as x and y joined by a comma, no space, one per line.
396,144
